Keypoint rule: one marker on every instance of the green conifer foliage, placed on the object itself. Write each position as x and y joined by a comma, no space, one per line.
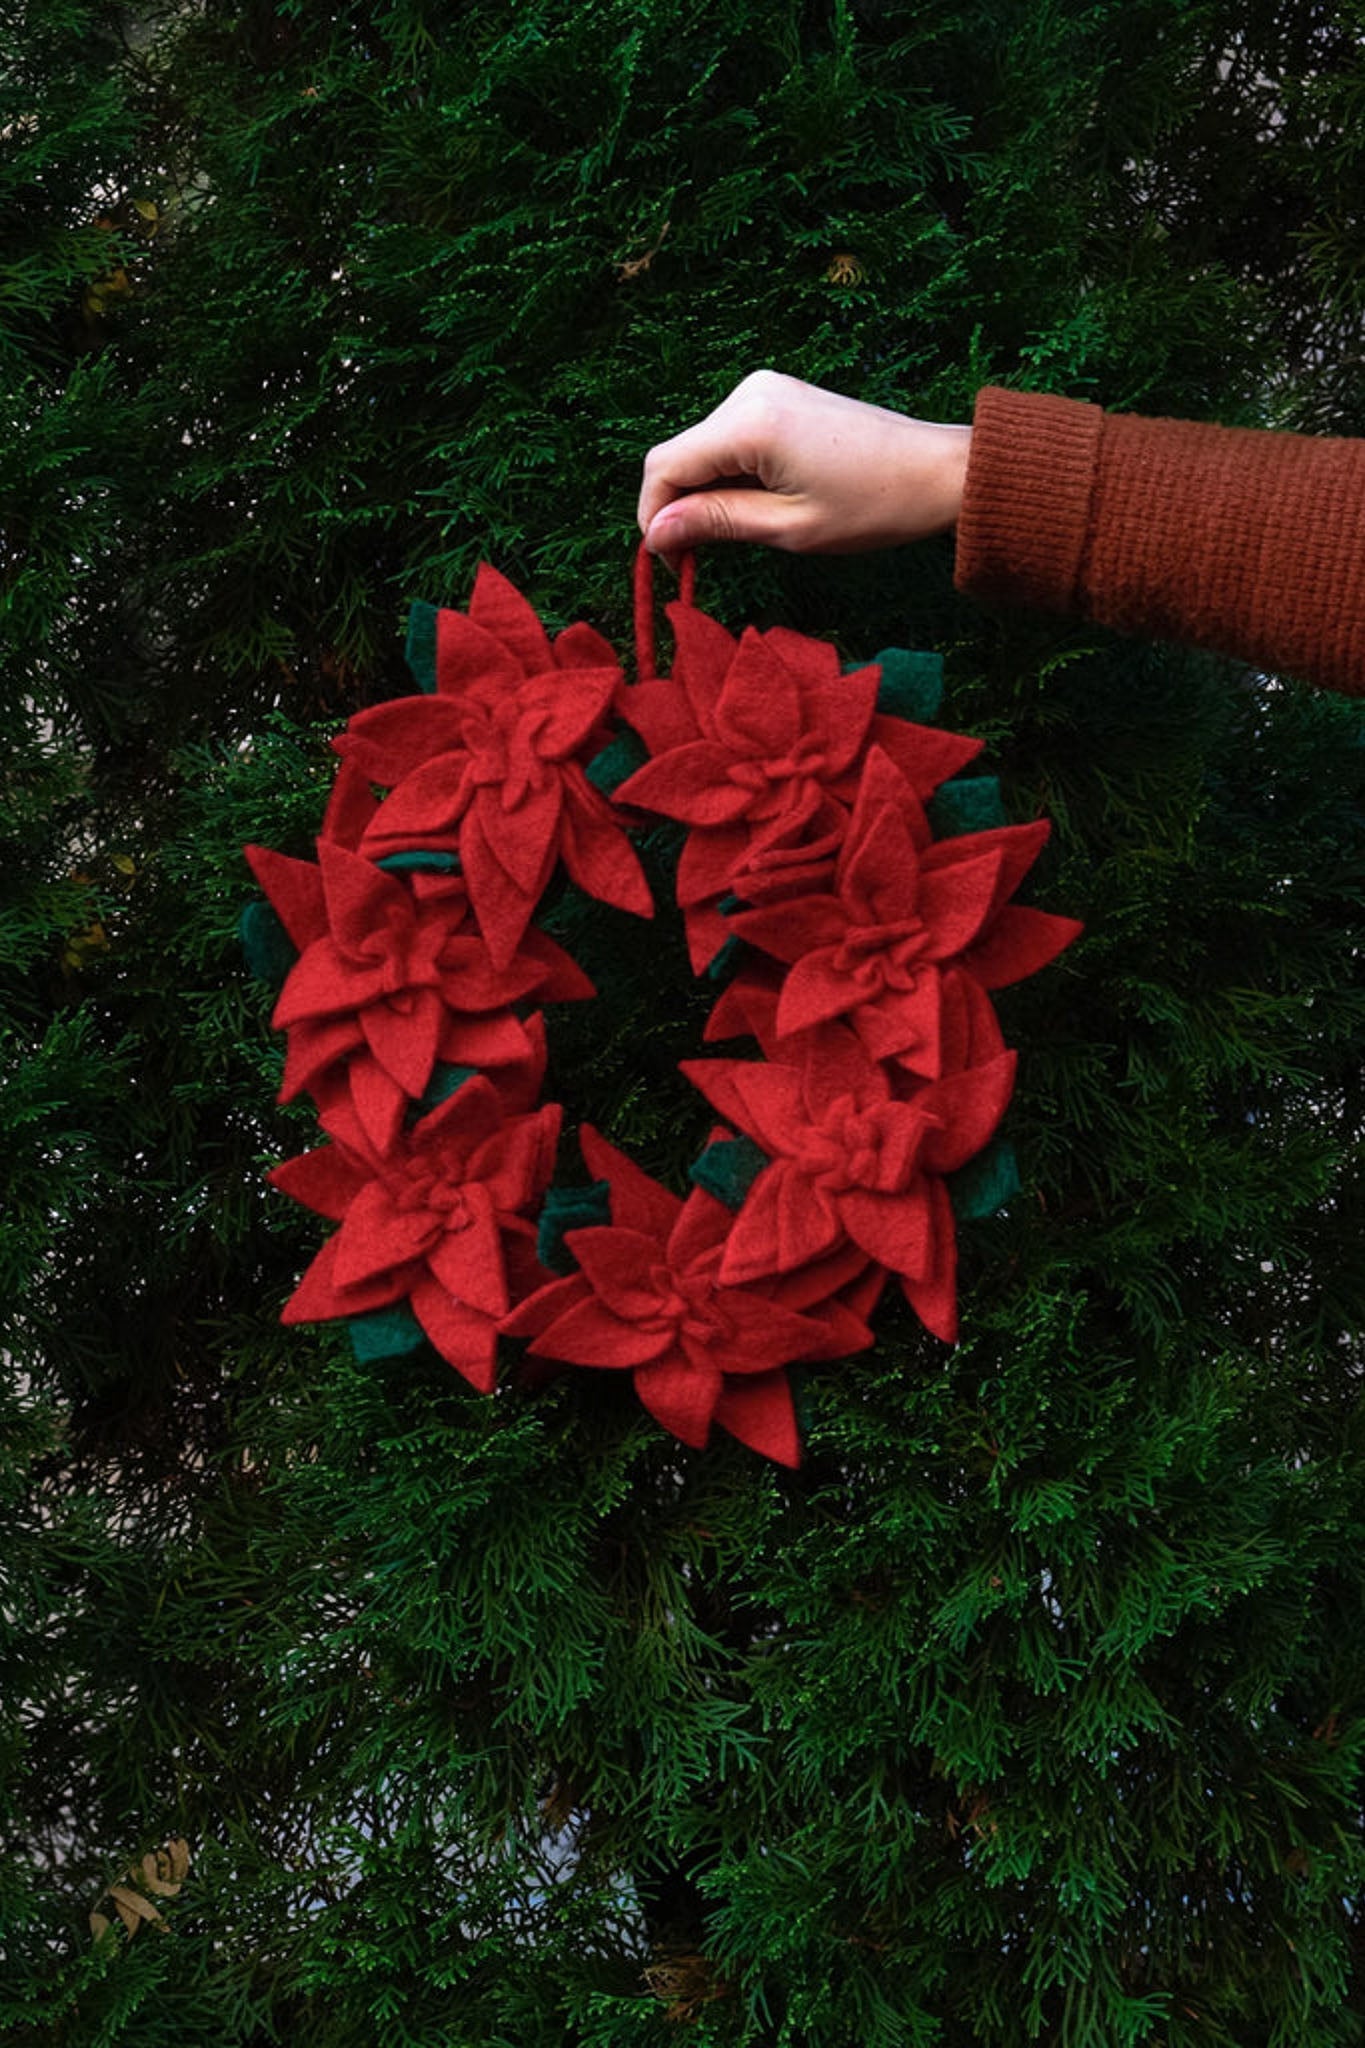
1029,1709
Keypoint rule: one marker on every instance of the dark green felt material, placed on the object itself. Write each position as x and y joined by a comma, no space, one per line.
728,1169
911,685
386,1333
620,757
724,963
969,803
569,1209
425,860
442,1085
985,1183
270,952
421,645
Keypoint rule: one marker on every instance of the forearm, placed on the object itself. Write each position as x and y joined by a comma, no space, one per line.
1249,543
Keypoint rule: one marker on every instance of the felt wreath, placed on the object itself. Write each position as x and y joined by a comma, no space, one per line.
824,877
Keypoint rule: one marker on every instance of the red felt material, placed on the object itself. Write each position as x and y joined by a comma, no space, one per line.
427,1220
873,946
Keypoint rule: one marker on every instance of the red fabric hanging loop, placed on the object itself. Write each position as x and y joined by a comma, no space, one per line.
645,670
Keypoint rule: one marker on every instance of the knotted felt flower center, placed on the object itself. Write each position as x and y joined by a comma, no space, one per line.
402,947
805,762
429,1189
503,750
686,1303
842,1150
882,956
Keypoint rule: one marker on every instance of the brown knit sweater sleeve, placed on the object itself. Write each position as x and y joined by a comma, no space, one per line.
1249,543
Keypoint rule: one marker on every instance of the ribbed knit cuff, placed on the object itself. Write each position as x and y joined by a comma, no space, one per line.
1025,513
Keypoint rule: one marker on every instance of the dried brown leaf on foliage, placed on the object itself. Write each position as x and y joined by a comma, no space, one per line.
160,1873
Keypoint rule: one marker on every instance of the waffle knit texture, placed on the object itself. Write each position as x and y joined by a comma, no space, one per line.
1245,542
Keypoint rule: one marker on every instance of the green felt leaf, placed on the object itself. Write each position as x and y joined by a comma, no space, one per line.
270,952
421,645
985,1183
386,1333
421,860
728,1169
726,960
620,757
569,1209
969,803
442,1085
911,685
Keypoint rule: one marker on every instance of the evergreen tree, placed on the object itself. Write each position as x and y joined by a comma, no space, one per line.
366,1708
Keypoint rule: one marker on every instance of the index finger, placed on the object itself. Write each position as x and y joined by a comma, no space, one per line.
717,450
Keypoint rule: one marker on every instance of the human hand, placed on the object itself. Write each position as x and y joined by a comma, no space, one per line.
791,466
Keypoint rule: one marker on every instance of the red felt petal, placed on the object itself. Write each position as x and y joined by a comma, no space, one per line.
934,1298
759,1412
390,741
324,1180
558,979
318,1298
807,1289
618,1265
637,1202
423,810
706,862
313,1046
792,929
971,1029
582,646
839,716
925,755
517,1165
680,1395
703,651
564,709
521,837
471,661
379,1102
660,712
403,1036
814,663
955,902
700,1231
815,991
706,932
690,783
539,1310
785,1223
500,609
362,899
969,1107
464,1337
589,1334
758,711
905,1025
598,855
376,1238
294,888
469,1263
766,1101
350,807
764,1334
1018,943
896,1230
322,984
503,909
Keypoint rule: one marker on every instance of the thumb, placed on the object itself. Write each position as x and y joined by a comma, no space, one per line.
731,515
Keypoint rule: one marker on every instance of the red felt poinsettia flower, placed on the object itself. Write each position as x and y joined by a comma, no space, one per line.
492,765
870,946
436,1219
648,1299
392,977
757,741
850,1161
